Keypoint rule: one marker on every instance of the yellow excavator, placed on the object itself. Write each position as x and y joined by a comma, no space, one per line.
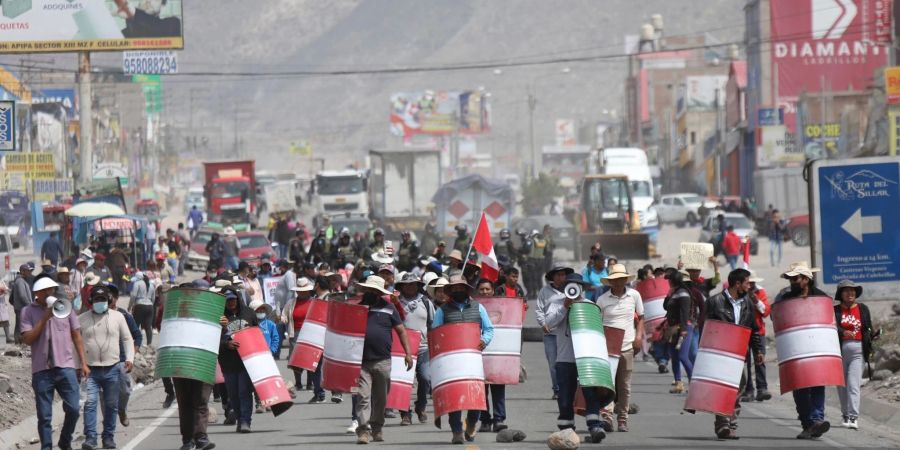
607,217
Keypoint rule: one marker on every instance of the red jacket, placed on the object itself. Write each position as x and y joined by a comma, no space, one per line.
731,244
764,300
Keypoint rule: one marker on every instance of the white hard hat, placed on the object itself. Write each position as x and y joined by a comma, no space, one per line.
44,283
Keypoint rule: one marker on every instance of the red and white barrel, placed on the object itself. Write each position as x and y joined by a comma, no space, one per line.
457,371
220,377
653,293
614,339
402,380
311,338
260,364
503,356
806,339
718,368
345,335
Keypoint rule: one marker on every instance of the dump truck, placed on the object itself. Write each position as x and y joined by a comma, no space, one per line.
230,191
607,216
401,186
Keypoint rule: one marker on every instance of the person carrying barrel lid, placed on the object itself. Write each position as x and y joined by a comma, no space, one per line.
237,381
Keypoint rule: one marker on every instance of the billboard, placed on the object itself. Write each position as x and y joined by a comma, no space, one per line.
700,92
777,147
892,85
30,26
439,113
842,42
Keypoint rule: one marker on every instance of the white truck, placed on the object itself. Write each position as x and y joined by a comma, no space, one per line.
341,191
280,197
631,162
402,185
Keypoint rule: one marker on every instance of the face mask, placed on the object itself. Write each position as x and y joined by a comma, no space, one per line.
260,316
77,303
459,296
100,307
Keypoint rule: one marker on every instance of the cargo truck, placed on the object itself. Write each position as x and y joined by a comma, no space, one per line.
401,186
230,191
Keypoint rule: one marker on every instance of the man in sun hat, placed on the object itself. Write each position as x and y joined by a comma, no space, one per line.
456,259
810,402
375,378
551,294
419,312
622,307
462,308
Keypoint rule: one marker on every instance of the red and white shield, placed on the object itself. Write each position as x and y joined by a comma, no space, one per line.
345,336
653,293
402,380
503,356
457,371
311,337
260,364
718,368
806,339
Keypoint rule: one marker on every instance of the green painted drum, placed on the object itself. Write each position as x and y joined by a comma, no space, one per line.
189,335
589,344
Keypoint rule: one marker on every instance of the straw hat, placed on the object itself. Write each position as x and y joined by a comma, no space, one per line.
549,275
409,278
91,279
87,253
615,272
439,283
374,282
847,284
800,268
429,277
458,280
44,283
256,304
382,258
63,270
303,285
754,278
456,254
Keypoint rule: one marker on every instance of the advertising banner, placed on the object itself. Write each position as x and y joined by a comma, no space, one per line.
777,147
894,128
34,164
65,97
7,125
892,85
439,113
842,42
30,26
158,62
700,92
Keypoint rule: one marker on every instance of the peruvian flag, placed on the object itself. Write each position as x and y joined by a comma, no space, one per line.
484,245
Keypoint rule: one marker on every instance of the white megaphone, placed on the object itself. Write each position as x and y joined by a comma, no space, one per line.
60,306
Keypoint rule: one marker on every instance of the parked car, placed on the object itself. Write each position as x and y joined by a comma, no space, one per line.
254,245
682,208
198,258
798,229
743,227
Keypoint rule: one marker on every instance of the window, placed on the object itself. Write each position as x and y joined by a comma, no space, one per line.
253,241
340,185
667,201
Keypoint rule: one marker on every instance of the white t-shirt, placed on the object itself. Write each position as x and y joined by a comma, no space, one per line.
619,312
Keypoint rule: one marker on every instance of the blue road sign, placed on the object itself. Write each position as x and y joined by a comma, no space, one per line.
7,125
857,220
769,117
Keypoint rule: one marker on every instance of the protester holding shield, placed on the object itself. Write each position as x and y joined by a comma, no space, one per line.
240,389
419,316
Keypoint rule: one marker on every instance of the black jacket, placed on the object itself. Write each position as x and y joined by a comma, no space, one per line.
229,359
866,319
719,308
680,308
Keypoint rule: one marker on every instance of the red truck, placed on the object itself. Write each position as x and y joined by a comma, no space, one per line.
230,190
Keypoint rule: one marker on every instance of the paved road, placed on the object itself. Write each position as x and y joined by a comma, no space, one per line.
659,424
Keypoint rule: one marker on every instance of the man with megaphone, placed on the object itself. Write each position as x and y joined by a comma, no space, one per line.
53,332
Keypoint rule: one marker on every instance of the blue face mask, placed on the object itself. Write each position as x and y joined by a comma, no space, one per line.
100,307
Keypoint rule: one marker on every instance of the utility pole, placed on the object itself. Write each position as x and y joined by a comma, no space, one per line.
532,103
719,146
85,106
237,153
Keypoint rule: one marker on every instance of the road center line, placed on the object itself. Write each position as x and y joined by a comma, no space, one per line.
150,428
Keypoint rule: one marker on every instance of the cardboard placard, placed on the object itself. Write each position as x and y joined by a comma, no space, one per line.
695,255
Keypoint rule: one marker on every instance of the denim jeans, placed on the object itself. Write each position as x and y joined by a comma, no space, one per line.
732,260
758,369
423,378
550,353
682,357
317,380
44,383
775,250
810,405
497,394
102,386
125,387
240,395
455,419
232,262
660,352
567,375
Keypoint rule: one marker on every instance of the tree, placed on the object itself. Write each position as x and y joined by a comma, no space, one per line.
539,192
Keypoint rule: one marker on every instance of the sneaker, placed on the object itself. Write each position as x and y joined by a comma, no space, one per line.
662,368
678,388
377,436
607,426
244,428
390,414
499,426
853,425
457,439
188,446
336,397
555,396
88,445
363,437
292,392
259,409
316,399
623,426
746,397
353,426
763,395
230,419
423,416
804,434
724,433
204,445
170,398
405,420
597,435
845,422
817,429
110,444
470,431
